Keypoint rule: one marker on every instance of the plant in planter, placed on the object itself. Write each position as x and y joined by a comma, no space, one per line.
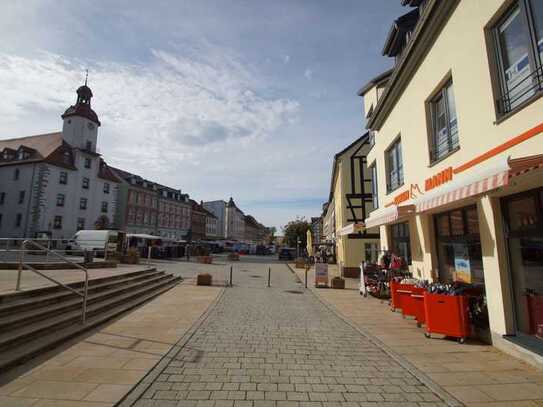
203,279
338,282
233,256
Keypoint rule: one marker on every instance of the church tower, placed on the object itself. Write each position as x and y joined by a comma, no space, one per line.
81,123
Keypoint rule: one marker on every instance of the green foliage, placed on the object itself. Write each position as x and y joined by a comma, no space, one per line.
294,230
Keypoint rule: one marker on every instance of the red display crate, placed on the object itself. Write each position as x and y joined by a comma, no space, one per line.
447,315
535,313
409,301
418,300
398,292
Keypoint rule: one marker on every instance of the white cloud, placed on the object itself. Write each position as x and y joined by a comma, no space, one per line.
286,59
308,74
173,107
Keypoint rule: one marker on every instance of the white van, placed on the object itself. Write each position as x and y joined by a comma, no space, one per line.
96,240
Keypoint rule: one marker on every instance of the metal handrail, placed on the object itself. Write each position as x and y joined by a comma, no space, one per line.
22,264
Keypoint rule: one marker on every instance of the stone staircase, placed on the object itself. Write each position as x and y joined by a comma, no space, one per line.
32,322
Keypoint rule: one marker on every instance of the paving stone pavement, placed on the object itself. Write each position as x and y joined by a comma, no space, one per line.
281,347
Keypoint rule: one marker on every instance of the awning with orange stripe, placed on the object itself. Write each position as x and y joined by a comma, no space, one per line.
479,182
389,215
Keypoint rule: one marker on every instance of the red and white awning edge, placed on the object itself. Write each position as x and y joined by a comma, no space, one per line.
389,215
351,228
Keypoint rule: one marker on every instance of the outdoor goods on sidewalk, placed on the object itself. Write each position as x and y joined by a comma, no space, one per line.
447,315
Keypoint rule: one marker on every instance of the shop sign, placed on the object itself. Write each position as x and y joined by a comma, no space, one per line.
321,274
461,263
439,179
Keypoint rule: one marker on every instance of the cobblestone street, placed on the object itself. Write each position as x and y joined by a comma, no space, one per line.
279,346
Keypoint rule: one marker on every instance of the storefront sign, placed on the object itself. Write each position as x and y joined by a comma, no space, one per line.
321,274
461,263
439,179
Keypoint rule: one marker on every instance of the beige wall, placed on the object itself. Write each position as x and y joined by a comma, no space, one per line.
461,52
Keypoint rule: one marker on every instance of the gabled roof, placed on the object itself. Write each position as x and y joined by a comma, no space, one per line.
43,144
106,173
378,80
361,139
396,38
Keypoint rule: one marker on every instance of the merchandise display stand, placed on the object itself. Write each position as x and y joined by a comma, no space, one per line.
447,315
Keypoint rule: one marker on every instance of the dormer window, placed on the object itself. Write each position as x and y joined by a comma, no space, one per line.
88,145
67,157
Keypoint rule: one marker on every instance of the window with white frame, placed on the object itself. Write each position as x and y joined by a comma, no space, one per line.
444,139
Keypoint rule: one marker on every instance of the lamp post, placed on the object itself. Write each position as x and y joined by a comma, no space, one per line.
298,241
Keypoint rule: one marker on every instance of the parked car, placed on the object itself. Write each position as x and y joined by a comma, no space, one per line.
287,254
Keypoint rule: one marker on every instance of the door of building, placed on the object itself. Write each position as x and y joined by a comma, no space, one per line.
524,231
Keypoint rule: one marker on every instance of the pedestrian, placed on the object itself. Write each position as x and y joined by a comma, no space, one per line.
188,253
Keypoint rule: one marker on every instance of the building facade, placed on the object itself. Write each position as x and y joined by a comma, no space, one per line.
197,221
212,225
55,184
316,229
218,208
174,213
234,221
351,200
458,156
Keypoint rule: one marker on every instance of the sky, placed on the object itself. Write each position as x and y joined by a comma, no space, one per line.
247,99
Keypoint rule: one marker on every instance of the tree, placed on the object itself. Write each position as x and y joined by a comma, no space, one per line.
294,230
271,234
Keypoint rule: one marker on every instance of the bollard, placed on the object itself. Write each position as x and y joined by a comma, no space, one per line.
306,277
231,267
269,276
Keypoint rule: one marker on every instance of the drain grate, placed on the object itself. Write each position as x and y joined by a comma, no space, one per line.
253,276
294,292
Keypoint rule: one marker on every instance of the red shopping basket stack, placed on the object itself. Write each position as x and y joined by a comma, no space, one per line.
447,315
411,304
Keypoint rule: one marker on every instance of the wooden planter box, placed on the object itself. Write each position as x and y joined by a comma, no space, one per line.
203,279
338,282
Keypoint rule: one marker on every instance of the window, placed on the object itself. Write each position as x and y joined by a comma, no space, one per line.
2,198
88,162
394,166
459,246
63,178
83,203
374,195
444,137
0,220
18,220
67,157
57,222
106,188
399,240
60,199
80,223
371,252
16,174
21,196
88,145
85,183
518,38
104,207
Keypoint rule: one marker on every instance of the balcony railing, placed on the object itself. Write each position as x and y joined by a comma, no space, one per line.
521,91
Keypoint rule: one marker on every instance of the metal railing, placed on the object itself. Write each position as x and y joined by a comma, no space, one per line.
521,91
36,247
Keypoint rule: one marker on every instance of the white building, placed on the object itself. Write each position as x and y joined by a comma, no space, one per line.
235,221
57,183
218,208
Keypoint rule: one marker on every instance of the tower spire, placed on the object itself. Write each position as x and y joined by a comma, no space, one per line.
86,76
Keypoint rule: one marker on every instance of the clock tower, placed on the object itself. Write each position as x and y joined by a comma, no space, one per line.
81,123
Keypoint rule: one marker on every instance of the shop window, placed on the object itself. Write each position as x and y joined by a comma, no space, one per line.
459,246
394,166
63,178
371,252
518,40
444,138
400,241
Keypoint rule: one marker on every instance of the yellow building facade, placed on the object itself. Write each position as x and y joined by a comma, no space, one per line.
351,199
458,156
